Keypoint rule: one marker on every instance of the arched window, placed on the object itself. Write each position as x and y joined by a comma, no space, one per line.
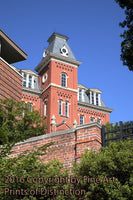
63,80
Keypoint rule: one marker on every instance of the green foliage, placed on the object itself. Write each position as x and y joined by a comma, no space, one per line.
27,177
17,123
127,43
107,174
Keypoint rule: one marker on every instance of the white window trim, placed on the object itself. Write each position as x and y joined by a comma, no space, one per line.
27,80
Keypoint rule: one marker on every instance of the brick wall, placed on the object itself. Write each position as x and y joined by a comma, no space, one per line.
53,93
33,99
69,144
88,113
10,82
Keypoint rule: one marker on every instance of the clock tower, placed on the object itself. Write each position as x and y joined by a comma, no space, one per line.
58,79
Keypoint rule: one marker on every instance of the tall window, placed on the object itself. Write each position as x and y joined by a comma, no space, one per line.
24,80
30,107
97,100
80,94
45,109
81,119
30,82
66,109
60,107
63,80
92,97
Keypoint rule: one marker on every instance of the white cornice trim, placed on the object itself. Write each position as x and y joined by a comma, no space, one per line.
94,107
43,65
28,71
67,63
50,56
33,91
10,66
58,86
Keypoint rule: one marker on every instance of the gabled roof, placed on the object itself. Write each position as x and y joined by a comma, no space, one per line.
10,51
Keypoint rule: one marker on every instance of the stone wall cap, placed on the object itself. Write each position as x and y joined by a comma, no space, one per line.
50,135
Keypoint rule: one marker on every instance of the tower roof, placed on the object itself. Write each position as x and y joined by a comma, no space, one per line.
59,46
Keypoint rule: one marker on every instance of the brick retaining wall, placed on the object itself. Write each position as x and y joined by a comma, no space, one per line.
69,144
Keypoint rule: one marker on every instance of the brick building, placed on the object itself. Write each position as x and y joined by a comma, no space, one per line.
73,112
10,78
54,89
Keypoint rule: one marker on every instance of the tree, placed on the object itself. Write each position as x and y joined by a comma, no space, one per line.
18,123
27,177
108,174
127,43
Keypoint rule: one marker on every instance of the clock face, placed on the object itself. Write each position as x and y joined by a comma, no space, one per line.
44,78
64,51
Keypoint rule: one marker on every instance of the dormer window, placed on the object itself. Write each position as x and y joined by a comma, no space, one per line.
80,95
97,101
63,80
30,82
24,80
92,96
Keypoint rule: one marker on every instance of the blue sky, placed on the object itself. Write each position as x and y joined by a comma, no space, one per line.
94,37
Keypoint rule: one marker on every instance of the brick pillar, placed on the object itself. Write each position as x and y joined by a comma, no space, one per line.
53,124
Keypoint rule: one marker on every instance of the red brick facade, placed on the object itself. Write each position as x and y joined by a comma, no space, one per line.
10,82
52,92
